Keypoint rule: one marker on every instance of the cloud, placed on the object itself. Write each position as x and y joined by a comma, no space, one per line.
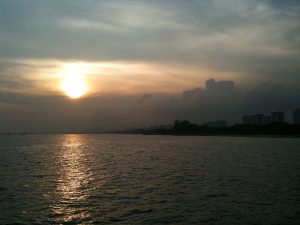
223,86
222,100
253,38
137,47
217,100
144,98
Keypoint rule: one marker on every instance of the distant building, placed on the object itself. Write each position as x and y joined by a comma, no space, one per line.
260,119
277,117
217,123
257,119
296,116
247,119
267,120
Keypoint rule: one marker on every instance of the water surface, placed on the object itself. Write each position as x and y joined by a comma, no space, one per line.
135,179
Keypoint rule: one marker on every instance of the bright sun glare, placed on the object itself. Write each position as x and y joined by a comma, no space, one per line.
73,80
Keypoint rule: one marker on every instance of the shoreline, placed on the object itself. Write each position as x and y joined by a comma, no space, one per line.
166,134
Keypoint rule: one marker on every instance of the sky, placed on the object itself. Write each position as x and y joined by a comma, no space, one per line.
145,62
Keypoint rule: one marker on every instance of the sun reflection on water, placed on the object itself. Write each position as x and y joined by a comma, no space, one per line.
74,184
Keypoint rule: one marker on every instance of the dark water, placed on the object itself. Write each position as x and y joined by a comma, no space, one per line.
127,179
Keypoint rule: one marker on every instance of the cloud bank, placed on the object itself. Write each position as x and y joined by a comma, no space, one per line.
217,100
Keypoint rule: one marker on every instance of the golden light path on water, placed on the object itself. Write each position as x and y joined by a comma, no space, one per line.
74,184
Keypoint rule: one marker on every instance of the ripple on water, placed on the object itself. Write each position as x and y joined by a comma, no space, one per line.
104,179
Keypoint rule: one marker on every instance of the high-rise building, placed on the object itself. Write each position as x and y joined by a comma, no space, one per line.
277,117
258,119
247,119
267,120
296,116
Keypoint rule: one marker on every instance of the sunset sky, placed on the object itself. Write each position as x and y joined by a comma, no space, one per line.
141,63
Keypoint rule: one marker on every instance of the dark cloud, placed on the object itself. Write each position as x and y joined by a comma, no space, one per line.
283,4
144,98
218,100
222,100
220,86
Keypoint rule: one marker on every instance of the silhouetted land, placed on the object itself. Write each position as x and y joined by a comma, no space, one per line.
187,128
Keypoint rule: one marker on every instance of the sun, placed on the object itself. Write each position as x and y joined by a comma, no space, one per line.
74,86
73,80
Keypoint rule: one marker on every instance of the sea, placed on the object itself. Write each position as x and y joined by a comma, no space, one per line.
137,179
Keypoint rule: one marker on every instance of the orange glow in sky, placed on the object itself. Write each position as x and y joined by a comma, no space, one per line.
73,80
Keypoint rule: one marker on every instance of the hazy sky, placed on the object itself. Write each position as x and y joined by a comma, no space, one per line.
146,62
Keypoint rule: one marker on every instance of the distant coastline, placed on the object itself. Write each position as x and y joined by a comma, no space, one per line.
186,128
